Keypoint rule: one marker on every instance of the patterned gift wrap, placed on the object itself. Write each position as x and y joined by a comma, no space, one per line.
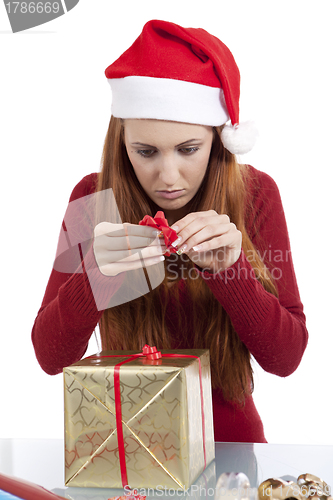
165,426
202,489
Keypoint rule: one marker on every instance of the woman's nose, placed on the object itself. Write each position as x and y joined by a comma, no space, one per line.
169,171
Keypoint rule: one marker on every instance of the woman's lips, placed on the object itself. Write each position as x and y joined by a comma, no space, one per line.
171,195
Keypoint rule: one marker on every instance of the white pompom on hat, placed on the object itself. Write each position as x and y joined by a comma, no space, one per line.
240,138
184,75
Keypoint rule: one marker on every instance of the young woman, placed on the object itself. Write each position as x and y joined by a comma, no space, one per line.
231,286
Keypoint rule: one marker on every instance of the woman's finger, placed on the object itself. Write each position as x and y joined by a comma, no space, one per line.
230,239
126,242
105,252
202,229
118,230
189,218
118,267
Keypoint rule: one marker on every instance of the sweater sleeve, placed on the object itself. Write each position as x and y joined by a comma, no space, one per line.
272,328
70,309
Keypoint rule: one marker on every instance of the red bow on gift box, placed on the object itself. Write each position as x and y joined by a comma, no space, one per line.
160,222
151,353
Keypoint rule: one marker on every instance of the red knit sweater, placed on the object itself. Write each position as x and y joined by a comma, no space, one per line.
273,329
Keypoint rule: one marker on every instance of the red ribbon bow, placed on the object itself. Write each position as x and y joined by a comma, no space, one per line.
160,222
151,352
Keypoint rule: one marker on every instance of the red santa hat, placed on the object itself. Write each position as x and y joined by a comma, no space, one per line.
184,75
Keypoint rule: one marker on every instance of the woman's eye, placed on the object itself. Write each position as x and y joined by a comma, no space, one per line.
146,153
189,151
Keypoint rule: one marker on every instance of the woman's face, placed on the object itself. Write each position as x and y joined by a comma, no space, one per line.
170,160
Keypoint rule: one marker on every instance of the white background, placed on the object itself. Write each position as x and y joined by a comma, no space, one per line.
54,111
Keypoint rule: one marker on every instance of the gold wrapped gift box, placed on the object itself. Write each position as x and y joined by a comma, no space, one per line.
167,421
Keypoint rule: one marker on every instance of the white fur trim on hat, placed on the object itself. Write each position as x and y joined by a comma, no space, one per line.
167,99
240,138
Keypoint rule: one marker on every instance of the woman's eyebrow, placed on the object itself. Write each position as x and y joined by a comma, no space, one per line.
187,142
141,144
177,146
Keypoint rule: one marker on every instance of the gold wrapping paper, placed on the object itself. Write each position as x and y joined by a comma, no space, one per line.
202,489
161,414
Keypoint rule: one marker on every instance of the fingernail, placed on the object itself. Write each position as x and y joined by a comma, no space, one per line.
176,242
175,228
157,233
197,248
181,250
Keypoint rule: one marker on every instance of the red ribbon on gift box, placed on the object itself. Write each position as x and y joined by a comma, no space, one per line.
151,353
160,222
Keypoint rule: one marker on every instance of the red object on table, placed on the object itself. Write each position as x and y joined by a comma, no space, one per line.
160,222
25,489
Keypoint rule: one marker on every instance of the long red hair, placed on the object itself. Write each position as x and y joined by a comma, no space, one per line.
143,320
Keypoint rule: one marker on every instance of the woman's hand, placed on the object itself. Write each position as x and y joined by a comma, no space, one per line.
125,247
210,240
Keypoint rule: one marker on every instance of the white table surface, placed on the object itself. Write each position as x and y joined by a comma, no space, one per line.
41,461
